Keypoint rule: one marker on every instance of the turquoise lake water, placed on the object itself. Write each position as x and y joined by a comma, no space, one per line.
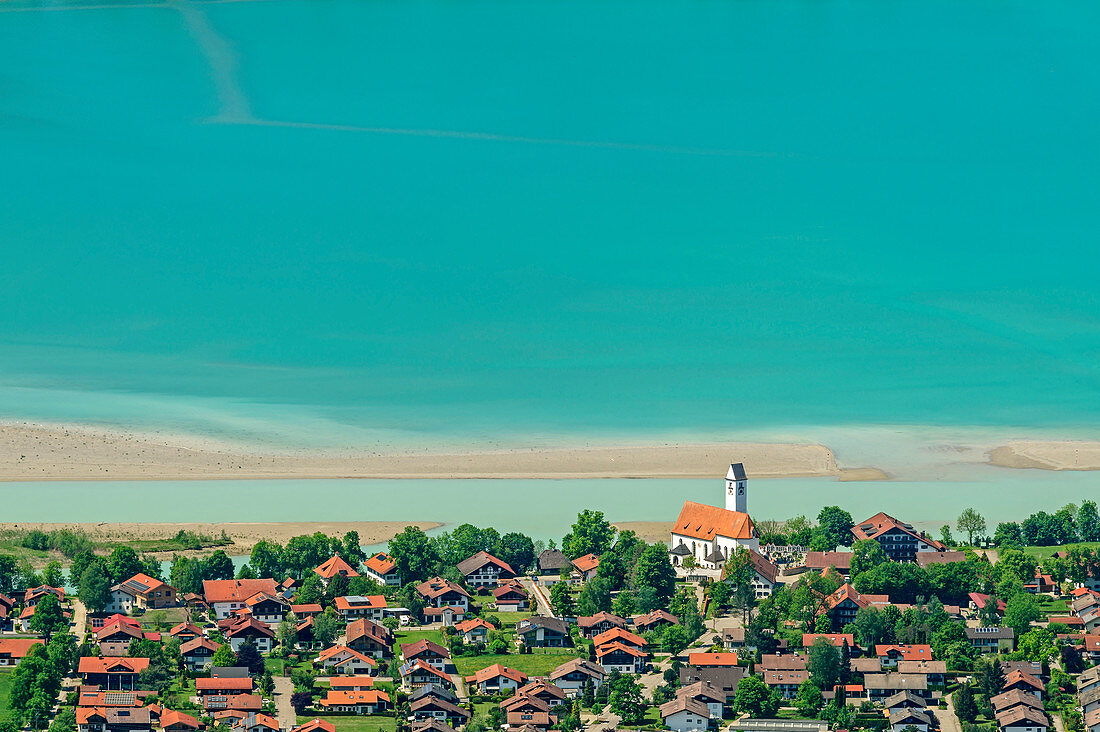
351,223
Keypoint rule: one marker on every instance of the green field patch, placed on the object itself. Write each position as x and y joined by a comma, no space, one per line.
532,664
353,723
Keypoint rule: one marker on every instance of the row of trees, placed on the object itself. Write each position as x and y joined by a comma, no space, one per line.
419,557
301,554
1067,525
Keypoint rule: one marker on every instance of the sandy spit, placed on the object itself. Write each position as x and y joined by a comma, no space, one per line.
52,452
244,535
1048,455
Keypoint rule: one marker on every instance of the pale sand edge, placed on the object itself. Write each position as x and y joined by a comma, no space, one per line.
1047,455
245,535
49,452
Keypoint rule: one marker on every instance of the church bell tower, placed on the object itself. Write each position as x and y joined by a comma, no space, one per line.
737,489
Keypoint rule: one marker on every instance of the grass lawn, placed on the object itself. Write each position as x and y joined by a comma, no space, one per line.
1050,606
5,692
652,717
163,619
1043,552
532,664
508,621
412,636
354,723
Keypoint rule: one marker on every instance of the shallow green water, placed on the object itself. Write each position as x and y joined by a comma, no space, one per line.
351,223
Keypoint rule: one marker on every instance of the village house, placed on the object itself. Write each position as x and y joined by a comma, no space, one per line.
334,567
438,592
33,595
339,659
592,625
231,706
842,605
140,592
722,679
543,690
224,685
935,671
369,638
899,541
542,632
184,632
173,721
315,725
903,718
978,602
13,650
1014,698
474,630
890,655
225,597
382,569
711,658
586,566
617,656
882,686
785,682
354,607
572,675
415,674
1024,682
1022,719
250,629
427,652
198,653
654,620
764,574
433,702
305,611
485,570
370,701
992,639
447,615
495,679
111,673
266,608
553,566
351,683
823,561
622,636
706,693
511,597
684,714
256,722
1092,648
837,639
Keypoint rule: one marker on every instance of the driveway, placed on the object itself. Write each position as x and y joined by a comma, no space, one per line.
542,601
284,687
949,721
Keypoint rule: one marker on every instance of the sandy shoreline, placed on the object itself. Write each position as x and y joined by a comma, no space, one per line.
45,452
1048,455
244,534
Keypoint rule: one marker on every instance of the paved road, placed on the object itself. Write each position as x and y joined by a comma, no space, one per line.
80,617
949,721
284,687
542,601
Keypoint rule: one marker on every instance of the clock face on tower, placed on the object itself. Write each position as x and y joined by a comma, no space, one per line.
741,491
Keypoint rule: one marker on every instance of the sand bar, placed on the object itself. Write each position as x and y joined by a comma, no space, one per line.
1048,455
244,535
52,452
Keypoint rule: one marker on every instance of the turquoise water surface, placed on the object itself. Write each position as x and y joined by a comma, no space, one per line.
350,223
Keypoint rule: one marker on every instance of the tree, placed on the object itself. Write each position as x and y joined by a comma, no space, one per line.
965,707
287,633
809,699
562,599
326,627
301,700
518,550
866,554
591,534
352,549
65,721
9,570
267,684
266,559
595,596
1008,534
625,698
946,537
218,566
412,554
823,663
249,655
95,587
972,523
1088,521
48,617
52,575
1037,644
123,564
754,698
992,679
872,628
836,525
224,656
1020,612
63,652
654,570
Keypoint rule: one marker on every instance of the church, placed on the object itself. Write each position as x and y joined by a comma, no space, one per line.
710,534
